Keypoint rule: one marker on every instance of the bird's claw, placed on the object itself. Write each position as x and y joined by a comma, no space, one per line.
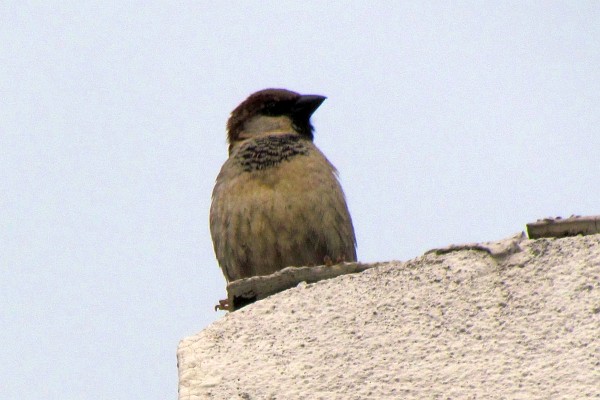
223,305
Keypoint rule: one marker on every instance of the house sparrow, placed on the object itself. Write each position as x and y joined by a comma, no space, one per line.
277,201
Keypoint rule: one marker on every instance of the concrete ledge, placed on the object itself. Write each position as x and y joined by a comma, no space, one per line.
246,291
516,318
563,227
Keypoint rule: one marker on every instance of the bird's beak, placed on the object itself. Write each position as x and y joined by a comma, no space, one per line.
307,104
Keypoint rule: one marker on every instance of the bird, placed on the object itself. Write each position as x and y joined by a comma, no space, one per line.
277,200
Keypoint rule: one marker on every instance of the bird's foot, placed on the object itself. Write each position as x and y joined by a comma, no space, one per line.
328,261
223,305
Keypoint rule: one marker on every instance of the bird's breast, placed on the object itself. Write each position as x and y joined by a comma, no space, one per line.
280,176
276,206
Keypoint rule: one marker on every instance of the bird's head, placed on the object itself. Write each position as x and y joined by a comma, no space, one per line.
272,111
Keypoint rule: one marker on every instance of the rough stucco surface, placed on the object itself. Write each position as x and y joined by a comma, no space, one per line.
463,324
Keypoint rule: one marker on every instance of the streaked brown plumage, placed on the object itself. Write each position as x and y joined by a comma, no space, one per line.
277,201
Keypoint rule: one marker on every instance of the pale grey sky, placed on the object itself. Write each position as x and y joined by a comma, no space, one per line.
449,122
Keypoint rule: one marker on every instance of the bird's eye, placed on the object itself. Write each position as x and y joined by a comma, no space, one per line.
272,108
